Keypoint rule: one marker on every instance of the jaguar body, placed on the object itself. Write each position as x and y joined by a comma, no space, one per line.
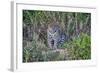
55,36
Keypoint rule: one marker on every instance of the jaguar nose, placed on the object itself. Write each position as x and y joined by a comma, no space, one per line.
52,42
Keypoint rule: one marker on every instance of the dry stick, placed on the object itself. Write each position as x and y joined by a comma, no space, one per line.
68,23
87,19
76,23
86,22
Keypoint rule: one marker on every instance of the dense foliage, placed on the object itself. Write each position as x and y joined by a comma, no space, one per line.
76,25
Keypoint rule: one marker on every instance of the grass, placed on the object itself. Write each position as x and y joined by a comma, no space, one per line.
76,25
77,49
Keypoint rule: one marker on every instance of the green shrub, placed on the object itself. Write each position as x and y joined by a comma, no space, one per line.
79,48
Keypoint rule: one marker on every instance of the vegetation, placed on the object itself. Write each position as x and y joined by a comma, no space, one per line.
76,25
79,47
